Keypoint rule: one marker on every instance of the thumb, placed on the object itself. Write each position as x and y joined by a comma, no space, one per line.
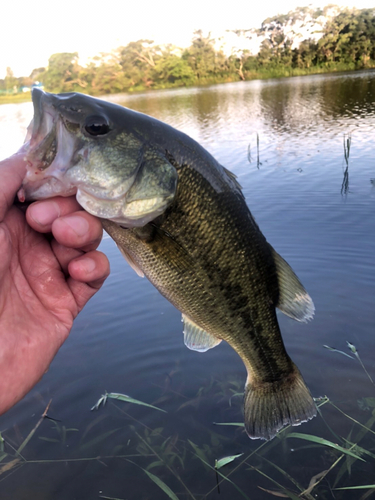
12,172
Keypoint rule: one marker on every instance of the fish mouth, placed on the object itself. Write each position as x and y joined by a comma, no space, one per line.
49,151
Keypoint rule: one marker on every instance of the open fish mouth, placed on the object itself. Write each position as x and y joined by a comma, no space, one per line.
49,150
73,148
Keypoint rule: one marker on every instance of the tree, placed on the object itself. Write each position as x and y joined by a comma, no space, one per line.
172,69
201,56
10,81
265,53
138,59
36,73
62,74
105,75
305,55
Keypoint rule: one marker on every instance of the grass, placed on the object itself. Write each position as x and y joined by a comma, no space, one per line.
15,98
183,469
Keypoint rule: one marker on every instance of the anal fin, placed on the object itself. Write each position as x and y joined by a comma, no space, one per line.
197,339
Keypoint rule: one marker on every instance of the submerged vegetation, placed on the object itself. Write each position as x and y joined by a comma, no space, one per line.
221,458
347,42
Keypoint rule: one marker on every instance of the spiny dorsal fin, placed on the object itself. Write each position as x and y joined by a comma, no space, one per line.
131,262
294,301
197,339
233,178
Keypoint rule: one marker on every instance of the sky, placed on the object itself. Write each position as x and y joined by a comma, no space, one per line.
30,32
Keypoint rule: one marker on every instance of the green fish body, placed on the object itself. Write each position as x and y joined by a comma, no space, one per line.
181,220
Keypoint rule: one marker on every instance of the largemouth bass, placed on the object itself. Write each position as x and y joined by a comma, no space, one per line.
180,219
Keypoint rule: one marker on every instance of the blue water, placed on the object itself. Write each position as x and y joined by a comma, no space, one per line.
129,338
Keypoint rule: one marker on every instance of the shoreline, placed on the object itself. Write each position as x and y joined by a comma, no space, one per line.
277,73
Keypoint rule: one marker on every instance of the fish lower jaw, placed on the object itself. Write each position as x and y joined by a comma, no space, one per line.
130,214
44,188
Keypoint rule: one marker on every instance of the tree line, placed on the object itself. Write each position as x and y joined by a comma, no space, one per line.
348,42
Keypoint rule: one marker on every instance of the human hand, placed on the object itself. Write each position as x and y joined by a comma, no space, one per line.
44,281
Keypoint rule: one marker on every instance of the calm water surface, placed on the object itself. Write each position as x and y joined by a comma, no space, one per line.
320,216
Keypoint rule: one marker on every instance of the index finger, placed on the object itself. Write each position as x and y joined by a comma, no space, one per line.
12,172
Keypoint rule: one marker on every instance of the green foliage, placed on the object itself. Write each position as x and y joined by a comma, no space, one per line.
62,74
349,37
201,56
348,43
172,70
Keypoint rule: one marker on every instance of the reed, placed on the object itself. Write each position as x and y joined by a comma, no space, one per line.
253,468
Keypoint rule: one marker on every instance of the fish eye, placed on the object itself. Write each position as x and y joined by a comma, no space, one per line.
97,125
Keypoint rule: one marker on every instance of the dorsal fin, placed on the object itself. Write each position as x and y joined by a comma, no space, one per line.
197,339
294,301
233,178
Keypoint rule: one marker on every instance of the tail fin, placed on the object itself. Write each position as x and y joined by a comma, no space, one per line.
269,406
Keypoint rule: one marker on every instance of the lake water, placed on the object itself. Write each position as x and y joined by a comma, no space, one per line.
317,209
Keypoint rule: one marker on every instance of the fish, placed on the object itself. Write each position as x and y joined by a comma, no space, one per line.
179,218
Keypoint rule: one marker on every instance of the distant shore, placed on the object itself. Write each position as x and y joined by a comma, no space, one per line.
258,75
15,98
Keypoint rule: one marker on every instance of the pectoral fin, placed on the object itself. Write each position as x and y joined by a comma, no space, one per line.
197,339
131,262
294,301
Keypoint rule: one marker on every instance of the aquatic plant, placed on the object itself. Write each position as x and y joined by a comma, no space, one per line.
338,463
345,181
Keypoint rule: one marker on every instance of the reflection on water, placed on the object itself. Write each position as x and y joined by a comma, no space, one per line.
129,339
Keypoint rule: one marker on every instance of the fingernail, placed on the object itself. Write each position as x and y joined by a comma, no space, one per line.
79,224
87,264
44,213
